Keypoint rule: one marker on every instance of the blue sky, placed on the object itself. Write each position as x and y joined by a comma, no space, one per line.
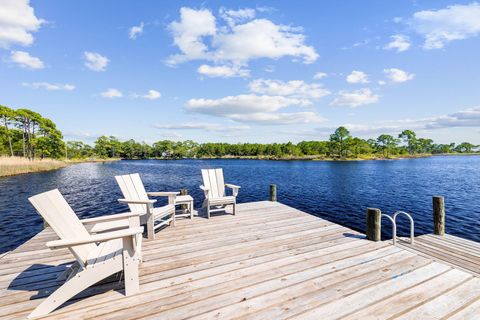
267,71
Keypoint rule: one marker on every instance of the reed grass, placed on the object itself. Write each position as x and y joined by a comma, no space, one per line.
10,166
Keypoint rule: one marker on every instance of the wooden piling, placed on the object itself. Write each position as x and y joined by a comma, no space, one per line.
438,215
273,192
374,224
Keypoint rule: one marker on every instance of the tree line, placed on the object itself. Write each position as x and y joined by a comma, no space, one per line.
341,145
28,134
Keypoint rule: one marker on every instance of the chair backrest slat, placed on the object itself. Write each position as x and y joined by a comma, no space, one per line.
133,189
55,210
213,180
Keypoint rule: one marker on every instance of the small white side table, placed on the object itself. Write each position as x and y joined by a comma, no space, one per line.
187,200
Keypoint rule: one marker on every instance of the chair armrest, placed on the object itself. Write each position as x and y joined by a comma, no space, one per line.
163,194
234,188
171,195
152,201
102,237
110,217
205,190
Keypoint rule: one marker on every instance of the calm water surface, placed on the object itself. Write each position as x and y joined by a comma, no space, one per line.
337,191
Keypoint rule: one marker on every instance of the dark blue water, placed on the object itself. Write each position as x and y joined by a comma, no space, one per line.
337,191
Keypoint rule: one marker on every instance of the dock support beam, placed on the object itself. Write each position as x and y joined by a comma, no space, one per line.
374,224
273,192
438,215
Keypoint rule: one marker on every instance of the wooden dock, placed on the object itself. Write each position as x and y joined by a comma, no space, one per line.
269,261
458,252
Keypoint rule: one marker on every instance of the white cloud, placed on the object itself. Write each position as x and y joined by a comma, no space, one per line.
241,104
111,93
269,69
294,88
152,95
17,22
357,44
49,86
355,98
469,117
320,75
357,77
381,82
262,38
281,118
188,34
253,108
232,17
223,71
236,43
215,127
135,31
397,75
95,61
455,22
399,42
25,60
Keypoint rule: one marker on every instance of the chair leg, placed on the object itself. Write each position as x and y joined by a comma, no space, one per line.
151,227
130,267
191,209
173,218
208,210
81,281
69,272
234,208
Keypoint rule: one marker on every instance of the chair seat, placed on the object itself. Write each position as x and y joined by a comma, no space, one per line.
110,226
222,200
104,251
161,212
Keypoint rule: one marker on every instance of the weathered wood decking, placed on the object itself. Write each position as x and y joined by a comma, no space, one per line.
269,261
458,252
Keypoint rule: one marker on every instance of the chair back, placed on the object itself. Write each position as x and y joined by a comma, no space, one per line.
213,180
133,189
55,210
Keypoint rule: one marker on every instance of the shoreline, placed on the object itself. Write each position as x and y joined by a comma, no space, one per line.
300,158
20,165
17,165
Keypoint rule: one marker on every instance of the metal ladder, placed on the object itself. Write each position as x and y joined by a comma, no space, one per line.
394,225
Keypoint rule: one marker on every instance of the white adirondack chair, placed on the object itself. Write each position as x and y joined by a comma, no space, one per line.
214,190
137,199
98,256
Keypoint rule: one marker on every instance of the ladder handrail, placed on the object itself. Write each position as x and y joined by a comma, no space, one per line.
394,228
412,224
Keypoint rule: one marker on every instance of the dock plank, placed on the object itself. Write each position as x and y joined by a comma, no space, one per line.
460,253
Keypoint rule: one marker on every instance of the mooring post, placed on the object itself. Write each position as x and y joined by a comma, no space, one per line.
438,215
273,192
374,224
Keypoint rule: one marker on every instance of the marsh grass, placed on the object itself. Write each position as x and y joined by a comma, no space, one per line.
10,166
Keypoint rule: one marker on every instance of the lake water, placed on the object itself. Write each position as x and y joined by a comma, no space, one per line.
337,191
